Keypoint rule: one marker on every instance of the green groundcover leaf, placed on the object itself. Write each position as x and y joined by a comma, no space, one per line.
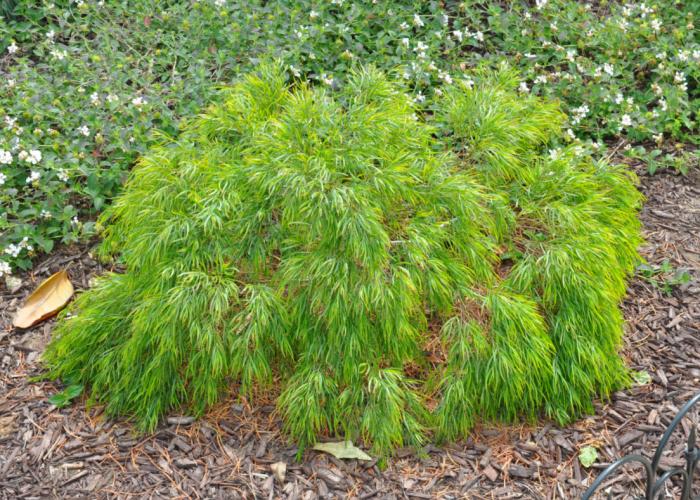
641,377
587,456
63,398
342,449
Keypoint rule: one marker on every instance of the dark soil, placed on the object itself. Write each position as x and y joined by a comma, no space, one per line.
46,452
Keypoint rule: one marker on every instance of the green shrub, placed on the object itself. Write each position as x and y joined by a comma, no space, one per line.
393,275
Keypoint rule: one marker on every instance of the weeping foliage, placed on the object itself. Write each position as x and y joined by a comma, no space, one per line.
396,277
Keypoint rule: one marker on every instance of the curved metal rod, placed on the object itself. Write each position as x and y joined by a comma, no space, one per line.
672,427
653,485
666,475
616,465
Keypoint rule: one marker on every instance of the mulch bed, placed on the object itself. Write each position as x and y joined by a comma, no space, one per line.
73,452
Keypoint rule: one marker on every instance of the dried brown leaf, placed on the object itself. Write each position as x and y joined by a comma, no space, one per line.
49,298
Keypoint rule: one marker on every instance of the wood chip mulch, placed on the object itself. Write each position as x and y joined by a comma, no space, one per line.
47,452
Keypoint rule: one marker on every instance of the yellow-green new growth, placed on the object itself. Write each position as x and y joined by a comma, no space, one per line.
395,277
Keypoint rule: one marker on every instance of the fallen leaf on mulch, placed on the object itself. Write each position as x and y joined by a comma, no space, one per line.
587,456
49,298
342,449
7,425
641,377
280,471
13,283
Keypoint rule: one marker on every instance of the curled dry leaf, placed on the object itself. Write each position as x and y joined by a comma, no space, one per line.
343,449
280,471
49,298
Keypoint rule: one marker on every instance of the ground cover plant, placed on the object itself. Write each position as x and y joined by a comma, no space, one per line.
82,89
399,276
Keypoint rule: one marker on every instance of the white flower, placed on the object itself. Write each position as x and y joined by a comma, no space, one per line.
59,54
541,79
313,14
95,98
328,80
12,48
570,55
5,157
405,42
11,83
220,3
62,175
523,87
403,26
295,71
570,134
9,121
33,157
445,77
663,105
540,4
683,55
5,269
112,98
419,97
74,221
679,78
579,113
554,153
13,250
608,68
656,25
457,34
417,21
84,130
626,121
50,35
45,214
34,176
3,178
619,98
138,101
657,89
479,36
